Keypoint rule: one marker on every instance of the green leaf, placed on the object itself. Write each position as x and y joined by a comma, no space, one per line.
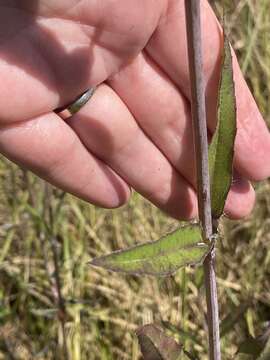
156,345
221,149
162,257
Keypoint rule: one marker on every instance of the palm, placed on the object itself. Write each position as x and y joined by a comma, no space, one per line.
136,130
51,53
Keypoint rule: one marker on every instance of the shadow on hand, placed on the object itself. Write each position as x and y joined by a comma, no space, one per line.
34,49
27,45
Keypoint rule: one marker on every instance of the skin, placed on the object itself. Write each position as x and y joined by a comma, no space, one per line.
135,132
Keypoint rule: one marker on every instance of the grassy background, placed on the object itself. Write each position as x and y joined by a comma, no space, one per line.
43,230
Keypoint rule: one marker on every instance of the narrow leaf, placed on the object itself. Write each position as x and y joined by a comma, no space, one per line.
162,257
156,345
221,149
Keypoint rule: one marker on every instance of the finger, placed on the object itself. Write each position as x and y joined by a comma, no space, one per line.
168,47
108,129
50,148
164,115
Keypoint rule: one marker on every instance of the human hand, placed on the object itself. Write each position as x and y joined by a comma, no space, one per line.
136,129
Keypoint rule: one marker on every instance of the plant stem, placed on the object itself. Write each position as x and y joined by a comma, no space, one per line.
193,25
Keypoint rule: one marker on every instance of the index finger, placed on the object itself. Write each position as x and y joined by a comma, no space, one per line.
168,47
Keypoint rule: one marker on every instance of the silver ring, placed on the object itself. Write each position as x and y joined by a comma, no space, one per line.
67,111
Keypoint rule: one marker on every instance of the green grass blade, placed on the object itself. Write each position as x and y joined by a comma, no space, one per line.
156,345
162,257
221,149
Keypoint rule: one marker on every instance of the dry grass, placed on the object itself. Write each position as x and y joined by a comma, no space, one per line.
103,309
